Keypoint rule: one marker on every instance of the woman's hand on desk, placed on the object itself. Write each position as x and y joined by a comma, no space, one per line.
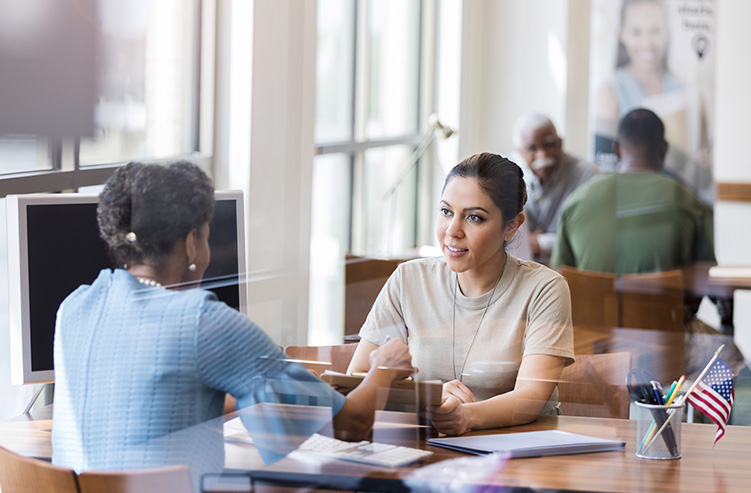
458,390
451,417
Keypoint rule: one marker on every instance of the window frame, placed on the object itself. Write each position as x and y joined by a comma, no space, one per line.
66,173
355,147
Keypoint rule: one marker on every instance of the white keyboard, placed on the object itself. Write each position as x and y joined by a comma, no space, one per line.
377,454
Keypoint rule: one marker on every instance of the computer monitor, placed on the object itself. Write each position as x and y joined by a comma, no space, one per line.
54,247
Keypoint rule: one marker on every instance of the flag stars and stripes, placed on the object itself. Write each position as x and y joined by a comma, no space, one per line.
714,395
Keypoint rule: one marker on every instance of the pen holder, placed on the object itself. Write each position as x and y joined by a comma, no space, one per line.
658,431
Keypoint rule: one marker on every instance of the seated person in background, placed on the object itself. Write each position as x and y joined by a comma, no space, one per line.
638,220
550,174
496,329
141,362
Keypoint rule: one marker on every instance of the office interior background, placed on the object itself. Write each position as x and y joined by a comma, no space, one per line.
314,108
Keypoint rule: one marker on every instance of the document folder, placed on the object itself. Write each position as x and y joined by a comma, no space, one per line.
529,444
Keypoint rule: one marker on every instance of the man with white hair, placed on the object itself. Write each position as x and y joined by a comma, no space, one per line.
550,174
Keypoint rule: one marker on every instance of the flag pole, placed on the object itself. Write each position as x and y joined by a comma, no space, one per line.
703,372
685,396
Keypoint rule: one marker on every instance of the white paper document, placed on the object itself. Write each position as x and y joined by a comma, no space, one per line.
529,444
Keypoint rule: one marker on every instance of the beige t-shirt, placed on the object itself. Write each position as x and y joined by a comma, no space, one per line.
530,313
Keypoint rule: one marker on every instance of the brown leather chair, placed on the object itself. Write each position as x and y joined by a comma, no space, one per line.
363,279
595,385
19,474
652,301
594,297
640,301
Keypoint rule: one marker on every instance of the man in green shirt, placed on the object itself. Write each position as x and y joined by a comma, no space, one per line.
637,220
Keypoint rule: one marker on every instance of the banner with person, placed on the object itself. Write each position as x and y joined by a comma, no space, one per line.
656,54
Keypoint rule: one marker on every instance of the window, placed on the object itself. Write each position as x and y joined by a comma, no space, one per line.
368,77
148,68
149,94
146,105
367,128
20,153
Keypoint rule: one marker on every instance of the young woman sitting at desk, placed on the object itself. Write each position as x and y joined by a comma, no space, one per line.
141,361
496,329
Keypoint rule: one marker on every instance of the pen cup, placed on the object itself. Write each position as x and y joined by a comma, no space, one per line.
650,420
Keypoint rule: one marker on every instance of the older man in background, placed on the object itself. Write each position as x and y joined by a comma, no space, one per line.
550,174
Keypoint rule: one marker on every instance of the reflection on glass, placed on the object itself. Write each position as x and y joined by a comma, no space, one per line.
393,65
146,68
329,243
388,226
335,68
19,153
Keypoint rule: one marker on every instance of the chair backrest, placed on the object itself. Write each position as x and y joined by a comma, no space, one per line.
595,385
652,301
363,280
639,301
157,480
594,298
334,358
19,474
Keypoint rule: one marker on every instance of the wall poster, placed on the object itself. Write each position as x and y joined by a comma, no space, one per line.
656,54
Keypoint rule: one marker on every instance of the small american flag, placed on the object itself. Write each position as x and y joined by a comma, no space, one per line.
714,395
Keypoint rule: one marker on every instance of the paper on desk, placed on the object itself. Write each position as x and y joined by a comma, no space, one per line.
234,431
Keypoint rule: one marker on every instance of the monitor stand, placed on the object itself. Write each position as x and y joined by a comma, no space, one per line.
34,398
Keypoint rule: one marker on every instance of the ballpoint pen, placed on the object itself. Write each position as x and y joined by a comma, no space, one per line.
657,390
672,393
660,417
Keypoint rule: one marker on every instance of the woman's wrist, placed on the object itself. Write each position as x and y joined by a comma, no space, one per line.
470,414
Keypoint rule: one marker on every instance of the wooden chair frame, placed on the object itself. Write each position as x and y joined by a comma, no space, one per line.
595,386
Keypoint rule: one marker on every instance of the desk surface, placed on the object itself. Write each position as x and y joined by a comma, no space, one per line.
701,468
697,281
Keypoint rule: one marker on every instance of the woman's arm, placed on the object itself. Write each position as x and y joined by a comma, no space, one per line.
390,362
537,378
361,359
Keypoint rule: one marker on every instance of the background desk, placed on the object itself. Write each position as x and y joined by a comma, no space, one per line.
724,468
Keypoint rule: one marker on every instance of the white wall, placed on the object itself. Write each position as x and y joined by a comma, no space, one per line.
733,106
533,55
265,147
514,61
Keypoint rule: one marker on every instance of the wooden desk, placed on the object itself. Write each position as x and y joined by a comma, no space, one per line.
697,281
702,468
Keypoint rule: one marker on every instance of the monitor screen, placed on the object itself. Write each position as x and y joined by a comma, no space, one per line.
54,247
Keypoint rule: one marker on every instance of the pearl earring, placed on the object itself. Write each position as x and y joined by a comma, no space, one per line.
192,267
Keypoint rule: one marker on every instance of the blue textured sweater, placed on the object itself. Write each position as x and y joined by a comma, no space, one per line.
141,374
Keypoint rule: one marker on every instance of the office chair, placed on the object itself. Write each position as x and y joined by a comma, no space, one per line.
19,474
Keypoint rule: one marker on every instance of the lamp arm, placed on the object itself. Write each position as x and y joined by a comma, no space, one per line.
411,163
